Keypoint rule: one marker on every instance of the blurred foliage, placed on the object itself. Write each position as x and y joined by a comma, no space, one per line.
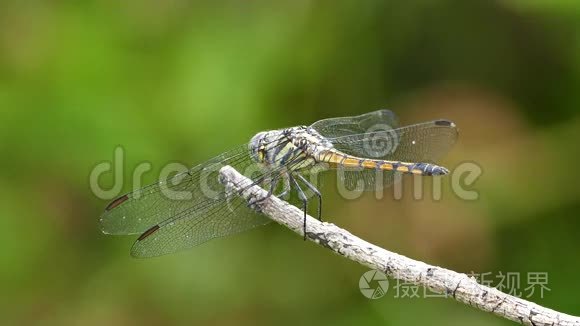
183,81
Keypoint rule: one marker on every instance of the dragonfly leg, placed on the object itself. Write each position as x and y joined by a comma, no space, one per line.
315,191
302,198
273,183
286,187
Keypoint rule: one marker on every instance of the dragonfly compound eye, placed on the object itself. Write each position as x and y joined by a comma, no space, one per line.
257,146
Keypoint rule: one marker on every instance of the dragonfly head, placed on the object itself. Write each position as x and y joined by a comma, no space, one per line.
257,146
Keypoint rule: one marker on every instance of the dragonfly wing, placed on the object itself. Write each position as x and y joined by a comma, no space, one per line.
365,180
188,209
215,219
136,212
424,142
344,126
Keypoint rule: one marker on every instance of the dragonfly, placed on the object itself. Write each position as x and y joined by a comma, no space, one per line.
193,207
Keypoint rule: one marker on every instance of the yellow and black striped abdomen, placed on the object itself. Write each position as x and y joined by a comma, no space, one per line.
339,159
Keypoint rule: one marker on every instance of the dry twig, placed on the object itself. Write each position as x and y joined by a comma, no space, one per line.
437,279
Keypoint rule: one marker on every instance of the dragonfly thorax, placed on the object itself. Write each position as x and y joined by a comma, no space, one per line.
297,147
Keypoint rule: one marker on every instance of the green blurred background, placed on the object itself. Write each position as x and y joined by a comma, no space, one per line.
174,81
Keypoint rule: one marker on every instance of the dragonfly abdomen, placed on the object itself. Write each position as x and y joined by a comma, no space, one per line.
339,159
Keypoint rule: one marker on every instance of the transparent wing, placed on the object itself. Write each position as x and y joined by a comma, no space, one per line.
365,180
185,210
196,225
424,142
345,126
137,211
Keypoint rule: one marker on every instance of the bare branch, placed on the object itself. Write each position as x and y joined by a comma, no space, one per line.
437,279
